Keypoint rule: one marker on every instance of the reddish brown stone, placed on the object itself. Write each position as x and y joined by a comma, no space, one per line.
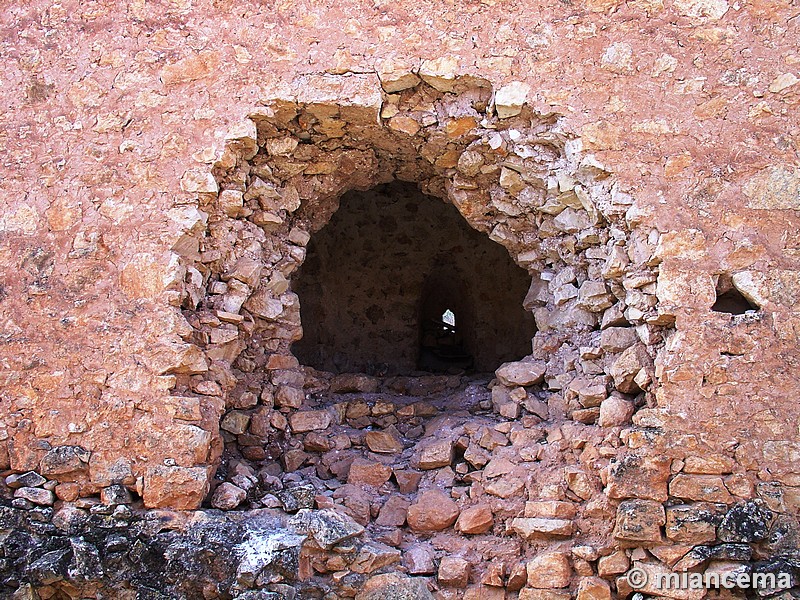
432,511
227,496
549,570
475,520
640,521
593,588
433,454
493,575
68,492
453,572
393,512
309,420
180,487
383,442
407,481
704,488
517,578
365,472
637,476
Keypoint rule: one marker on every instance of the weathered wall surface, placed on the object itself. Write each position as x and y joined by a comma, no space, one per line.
690,103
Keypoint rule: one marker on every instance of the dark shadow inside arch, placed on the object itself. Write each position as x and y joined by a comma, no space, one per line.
398,282
729,299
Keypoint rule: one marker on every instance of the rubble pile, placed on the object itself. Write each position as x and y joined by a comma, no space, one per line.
417,486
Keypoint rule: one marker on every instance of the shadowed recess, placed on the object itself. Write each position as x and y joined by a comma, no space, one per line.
729,299
380,277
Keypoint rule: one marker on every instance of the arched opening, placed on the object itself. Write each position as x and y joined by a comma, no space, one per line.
380,277
313,273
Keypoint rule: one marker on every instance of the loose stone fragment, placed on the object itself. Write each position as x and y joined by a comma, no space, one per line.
613,564
50,568
64,459
383,442
432,511
289,397
29,479
407,481
521,373
36,495
393,586
593,588
475,520
310,420
530,528
393,512
627,366
418,560
227,496
354,382
453,572
373,556
115,494
296,497
708,464
493,576
617,339
182,488
700,554
433,455
549,570
550,509
615,411
693,523
235,422
580,483
708,488
327,527
638,476
396,79
506,486
370,473
590,392
746,522
509,99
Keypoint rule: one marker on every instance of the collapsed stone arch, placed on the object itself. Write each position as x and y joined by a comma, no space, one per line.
515,175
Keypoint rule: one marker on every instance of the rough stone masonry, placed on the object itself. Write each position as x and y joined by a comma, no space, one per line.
228,235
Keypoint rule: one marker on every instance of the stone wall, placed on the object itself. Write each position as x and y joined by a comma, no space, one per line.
167,166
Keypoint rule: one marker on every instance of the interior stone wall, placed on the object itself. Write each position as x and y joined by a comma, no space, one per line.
369,272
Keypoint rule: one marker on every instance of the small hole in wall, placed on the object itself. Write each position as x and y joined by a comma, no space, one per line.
730,300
